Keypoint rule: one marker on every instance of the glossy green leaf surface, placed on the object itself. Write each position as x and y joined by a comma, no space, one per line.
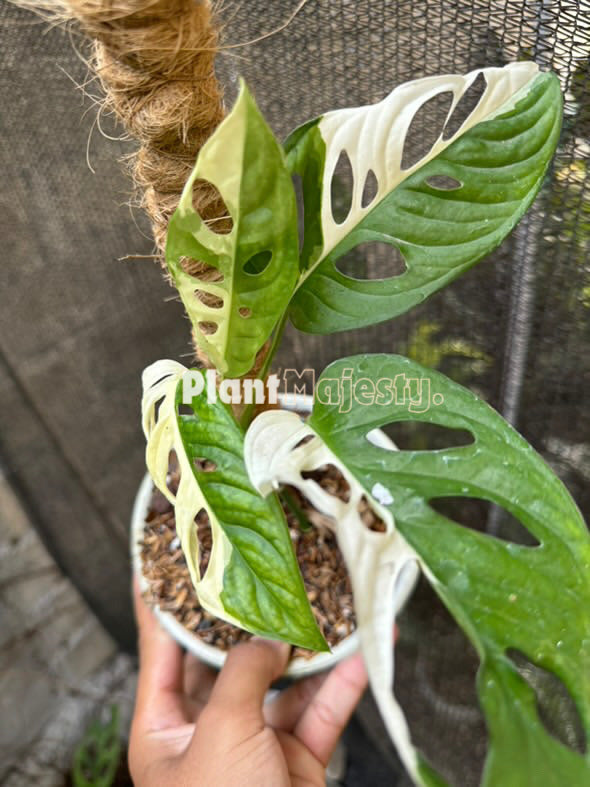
258,259
535,599
498,156
252,578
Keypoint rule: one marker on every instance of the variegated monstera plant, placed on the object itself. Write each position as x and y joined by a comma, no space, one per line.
505,597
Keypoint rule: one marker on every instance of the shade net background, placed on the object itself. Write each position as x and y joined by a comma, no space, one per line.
78,324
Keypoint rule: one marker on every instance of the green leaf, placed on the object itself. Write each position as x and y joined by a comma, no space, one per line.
499,156
252,579
503,595
97,757
258,259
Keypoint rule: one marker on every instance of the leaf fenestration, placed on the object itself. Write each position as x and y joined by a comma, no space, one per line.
252,578
495,161
257,261
534,599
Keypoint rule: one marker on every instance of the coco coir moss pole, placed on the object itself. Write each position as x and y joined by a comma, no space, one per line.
155,61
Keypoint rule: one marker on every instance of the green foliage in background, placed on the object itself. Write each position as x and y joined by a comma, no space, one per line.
97,757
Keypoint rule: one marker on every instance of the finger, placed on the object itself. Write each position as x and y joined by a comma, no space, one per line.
246,675
284,711
198,682
324,719
198,678
303,766
159,688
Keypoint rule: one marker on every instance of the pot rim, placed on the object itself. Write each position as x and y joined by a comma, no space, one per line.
214,656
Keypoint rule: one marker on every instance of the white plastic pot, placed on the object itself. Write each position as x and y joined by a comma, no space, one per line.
215,657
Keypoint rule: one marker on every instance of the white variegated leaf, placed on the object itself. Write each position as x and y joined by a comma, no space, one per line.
531,597
497,159
252,578
160,381
374,136
257,262
274,455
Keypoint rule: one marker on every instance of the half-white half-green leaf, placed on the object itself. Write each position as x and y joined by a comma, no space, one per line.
280,449
257,260
494,162
530,598
252,578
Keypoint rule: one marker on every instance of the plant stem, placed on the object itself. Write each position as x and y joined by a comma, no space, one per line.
304,523
276,340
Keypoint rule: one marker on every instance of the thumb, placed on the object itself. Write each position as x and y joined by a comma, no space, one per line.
246,676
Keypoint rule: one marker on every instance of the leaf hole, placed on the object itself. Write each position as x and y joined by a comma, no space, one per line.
341,188
303,441
209,204
201,270
473,513
204,465
173,474
555,705
420,435
258,263
369,517
208,328
157,406
184,409
209,299
425,128
324,522
435,671
331,480
372,260
502,524
245,312
443,183
205,539
370,189
465,106
299,199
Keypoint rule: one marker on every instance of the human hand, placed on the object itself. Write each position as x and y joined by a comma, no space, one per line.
193,726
